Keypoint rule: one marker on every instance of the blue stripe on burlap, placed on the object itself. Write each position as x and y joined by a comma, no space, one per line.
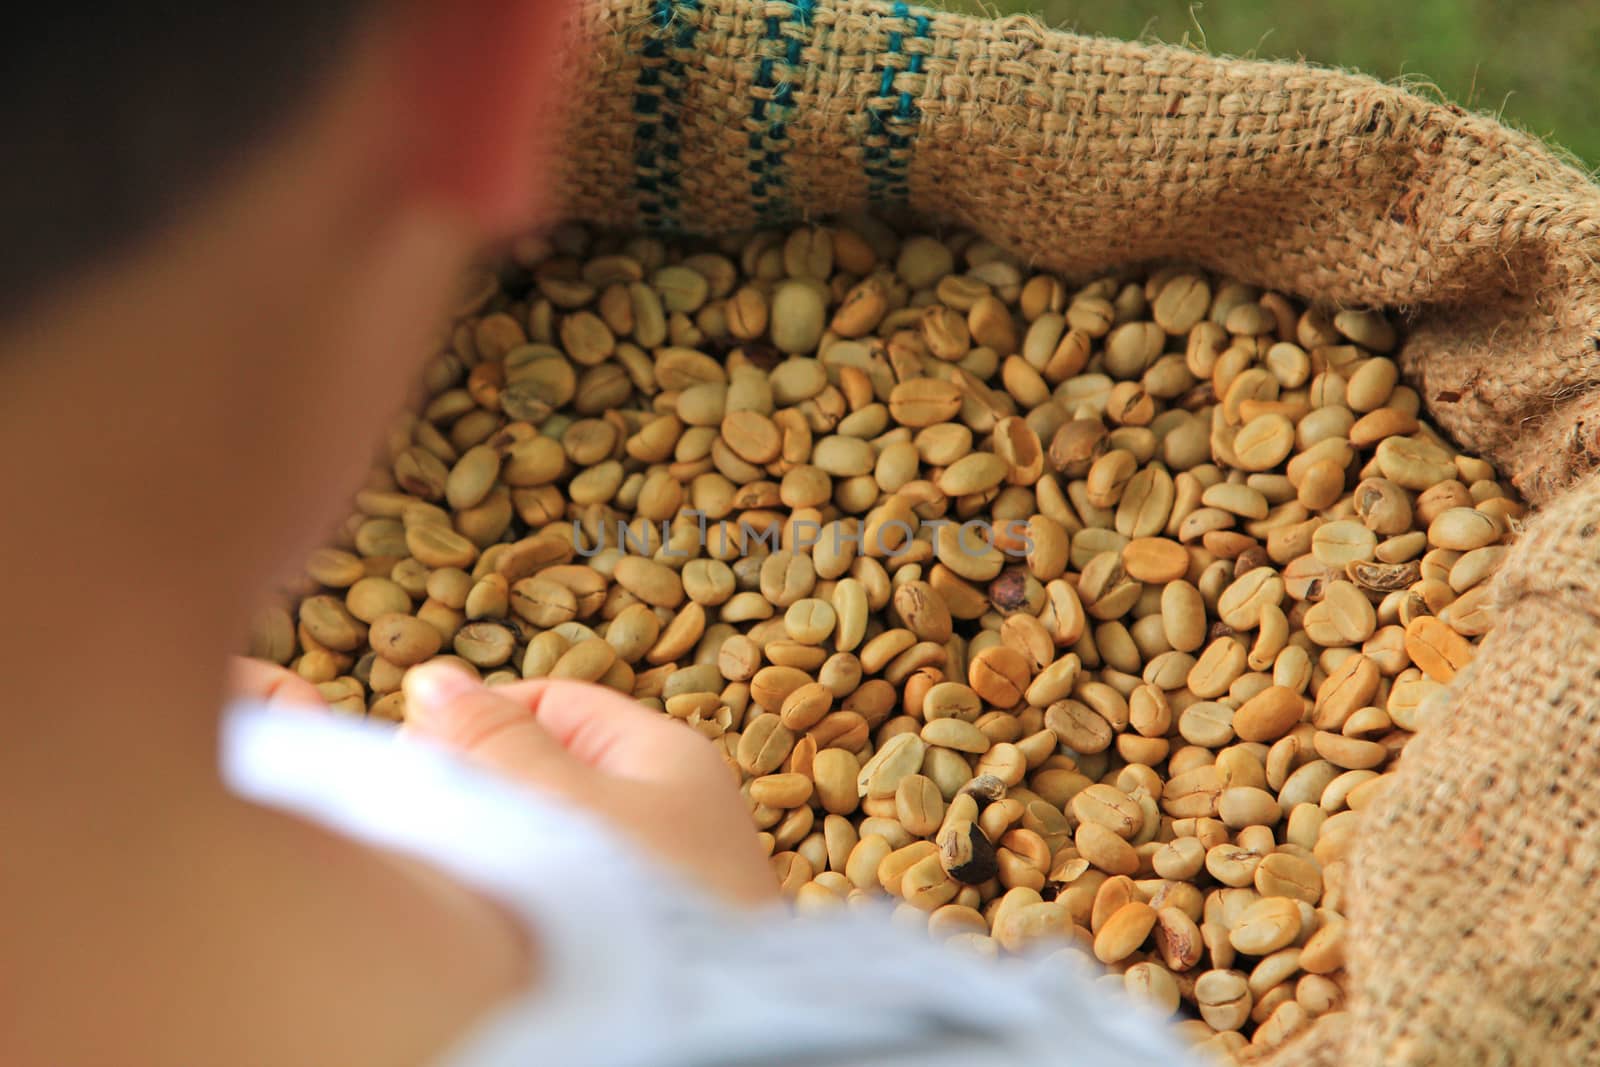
893,118
657,109
783,47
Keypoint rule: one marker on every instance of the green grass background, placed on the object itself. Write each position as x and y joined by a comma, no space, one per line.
1534,62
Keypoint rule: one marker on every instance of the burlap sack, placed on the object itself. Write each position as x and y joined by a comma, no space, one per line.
1474,902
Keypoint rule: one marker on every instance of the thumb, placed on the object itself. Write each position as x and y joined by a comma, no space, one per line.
448,706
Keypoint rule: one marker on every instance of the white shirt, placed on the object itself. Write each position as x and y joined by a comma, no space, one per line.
640,970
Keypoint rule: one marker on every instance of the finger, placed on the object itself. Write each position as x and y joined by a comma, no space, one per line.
605,730
254,679
680,804
448,706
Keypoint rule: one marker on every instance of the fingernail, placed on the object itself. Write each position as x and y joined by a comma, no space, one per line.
431,689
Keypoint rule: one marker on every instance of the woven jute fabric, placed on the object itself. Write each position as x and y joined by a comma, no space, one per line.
1472,902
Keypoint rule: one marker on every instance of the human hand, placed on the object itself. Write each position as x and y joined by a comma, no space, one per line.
653,781
268,683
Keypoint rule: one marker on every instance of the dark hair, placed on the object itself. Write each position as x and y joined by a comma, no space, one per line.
117,116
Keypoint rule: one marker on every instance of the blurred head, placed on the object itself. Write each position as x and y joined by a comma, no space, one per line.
233,233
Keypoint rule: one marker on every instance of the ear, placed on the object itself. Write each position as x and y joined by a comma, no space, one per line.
479,97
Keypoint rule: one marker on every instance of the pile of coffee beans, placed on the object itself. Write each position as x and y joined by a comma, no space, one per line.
1094,614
